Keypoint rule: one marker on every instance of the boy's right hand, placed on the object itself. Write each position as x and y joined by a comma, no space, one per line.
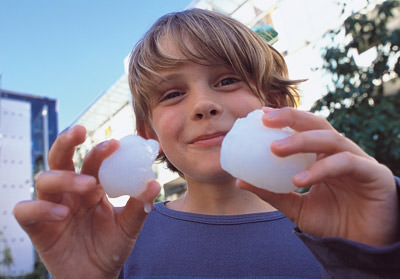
75,229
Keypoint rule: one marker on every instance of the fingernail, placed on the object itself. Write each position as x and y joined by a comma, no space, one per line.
301,176
66,130
268,109
37,175
60,212
104,144
281,142
148,207
271,115
85,180
240,183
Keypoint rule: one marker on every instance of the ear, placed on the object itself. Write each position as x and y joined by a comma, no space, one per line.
147,132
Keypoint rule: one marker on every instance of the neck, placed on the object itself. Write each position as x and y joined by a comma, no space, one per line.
222,198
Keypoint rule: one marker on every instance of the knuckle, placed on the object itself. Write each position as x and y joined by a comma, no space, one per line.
287,109
324,122
338,138
347,156
298,141
16,210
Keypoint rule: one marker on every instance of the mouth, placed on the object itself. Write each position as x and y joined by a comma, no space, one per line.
209,139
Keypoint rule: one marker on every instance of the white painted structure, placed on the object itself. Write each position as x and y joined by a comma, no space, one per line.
15,184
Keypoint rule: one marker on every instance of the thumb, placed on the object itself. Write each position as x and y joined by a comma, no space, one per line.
288,203
134,213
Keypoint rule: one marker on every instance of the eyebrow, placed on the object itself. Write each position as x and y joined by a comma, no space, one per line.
167,78
172,76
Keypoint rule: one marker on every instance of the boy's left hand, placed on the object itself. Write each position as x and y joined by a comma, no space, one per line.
352,195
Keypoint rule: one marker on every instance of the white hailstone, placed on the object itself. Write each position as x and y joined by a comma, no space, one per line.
245,154
128,169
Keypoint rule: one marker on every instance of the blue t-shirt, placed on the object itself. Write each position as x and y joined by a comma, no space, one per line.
177,245
174,244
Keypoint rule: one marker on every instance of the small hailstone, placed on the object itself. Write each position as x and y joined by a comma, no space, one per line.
127,170
245,154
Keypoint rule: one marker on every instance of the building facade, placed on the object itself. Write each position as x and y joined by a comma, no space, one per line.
28,126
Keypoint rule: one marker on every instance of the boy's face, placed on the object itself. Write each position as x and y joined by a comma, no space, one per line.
193,109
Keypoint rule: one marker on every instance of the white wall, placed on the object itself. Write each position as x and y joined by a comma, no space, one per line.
15,183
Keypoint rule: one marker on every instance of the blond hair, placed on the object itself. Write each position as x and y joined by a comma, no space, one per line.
214,38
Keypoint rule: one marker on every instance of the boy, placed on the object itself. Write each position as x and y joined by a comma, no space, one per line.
192,75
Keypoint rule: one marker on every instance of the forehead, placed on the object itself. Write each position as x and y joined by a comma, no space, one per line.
174,54
170,48
184,54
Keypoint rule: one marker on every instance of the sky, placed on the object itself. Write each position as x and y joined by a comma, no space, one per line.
71,50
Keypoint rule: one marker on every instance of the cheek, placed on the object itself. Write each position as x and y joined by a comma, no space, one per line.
247,104
166,126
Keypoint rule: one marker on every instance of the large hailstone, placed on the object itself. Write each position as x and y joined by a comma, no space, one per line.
127,170
245,154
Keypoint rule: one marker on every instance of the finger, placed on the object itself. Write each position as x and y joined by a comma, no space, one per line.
57,182
315,141
152,190
42,220
133,214
339,165
62,150
93,197
29,213
95,157
296,119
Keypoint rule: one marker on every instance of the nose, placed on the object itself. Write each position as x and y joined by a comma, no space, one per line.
206,108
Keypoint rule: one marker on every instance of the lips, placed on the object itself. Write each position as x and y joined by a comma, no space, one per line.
209,139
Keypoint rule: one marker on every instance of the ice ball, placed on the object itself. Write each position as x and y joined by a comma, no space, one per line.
245,154
128,169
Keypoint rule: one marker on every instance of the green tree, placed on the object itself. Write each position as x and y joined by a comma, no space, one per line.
6,258
357,102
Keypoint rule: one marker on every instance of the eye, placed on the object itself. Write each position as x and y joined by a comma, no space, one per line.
171,95
227,81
